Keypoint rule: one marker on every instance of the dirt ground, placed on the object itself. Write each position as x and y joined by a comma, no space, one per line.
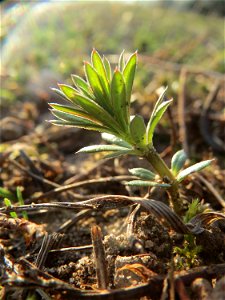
115,251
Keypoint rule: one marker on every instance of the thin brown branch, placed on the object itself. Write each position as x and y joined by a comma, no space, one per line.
69,223
43,181
211,188
71,249
68,187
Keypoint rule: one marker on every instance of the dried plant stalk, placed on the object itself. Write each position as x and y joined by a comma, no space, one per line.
99,255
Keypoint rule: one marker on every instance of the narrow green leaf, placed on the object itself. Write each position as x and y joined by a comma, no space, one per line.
178,161
8,204
142,173
100,68
102,98
129,73
4,193
138,130
118,95
156,118
121,62
195,168
60,93
21,201
92,108
75,120
83,86
107,68
79,125
74,111
101,148
120,153
147,183
68,90
80,82
158,102
112,139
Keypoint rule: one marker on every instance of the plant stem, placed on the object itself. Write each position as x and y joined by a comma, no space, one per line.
164,172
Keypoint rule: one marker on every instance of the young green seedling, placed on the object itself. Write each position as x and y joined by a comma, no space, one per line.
102,103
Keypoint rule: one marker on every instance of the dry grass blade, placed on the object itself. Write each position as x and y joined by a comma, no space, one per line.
141,270
207,218
135,242
100,259
131,220
163,212
48,242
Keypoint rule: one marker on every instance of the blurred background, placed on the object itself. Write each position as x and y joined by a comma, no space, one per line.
43,42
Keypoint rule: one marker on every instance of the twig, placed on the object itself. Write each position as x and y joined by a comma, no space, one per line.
33,206
30,163
82,183
80,248
211,188
100,260
205,129
69,223
181,110
84,175
42,180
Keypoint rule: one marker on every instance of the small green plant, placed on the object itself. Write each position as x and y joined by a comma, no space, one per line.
9,197
188,255
8,203
194,208
102,103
